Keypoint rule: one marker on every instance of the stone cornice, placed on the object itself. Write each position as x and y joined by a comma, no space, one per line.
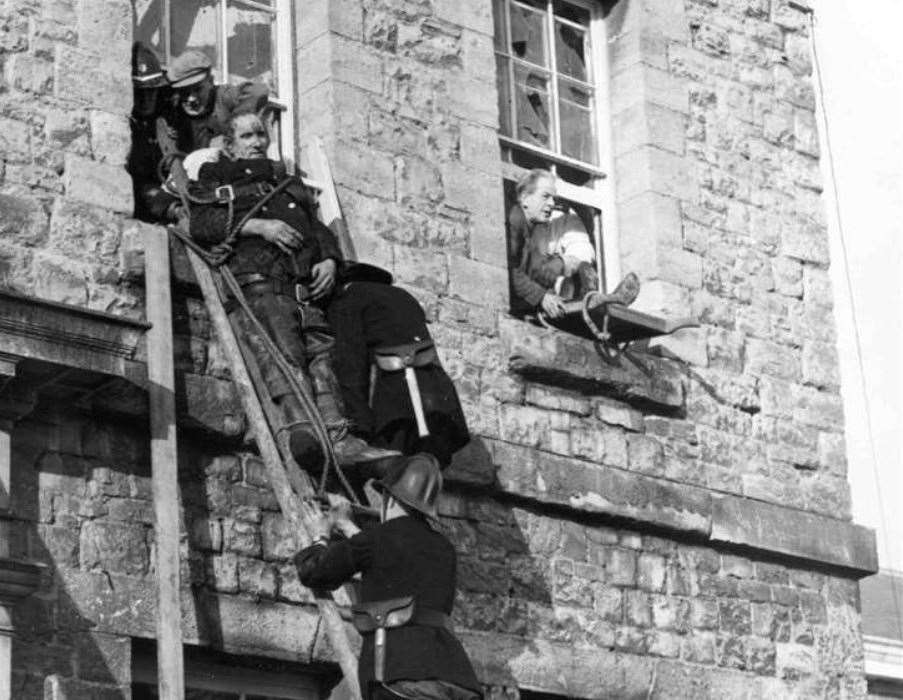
69,336
720,519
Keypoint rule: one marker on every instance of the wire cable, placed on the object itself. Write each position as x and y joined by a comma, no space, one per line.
882,512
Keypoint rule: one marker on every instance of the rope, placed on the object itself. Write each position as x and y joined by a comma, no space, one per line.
820,95
215,259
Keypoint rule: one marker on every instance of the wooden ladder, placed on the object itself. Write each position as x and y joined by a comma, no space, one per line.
288,481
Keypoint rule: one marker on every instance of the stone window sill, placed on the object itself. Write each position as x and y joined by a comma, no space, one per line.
561,359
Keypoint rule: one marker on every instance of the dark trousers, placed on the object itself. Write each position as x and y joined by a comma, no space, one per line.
421,690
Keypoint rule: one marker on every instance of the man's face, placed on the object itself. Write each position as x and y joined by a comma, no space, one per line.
249,138
196,100
145,102
539,203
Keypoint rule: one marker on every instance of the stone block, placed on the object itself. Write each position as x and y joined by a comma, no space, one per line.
780,529
647,223
257,578
83,231
278,538
242,537
83,77
477,282
100,184
817,288
342,17
221,572
649,124
832,454
648,168
821,365
111,138
769,359
30,73
805,133
25,220
58,279
114,547
15,140
364,170
107,24
470,14
645,455
417,180
103,658
651,572
426,269
616,413
819,408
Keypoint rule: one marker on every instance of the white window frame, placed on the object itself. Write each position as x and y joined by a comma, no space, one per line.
600,195
283,65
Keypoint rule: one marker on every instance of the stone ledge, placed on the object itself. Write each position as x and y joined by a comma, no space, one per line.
589,489
558,358
759,525
70,336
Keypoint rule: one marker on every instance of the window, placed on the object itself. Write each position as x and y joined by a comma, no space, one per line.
552,68
245,41
212,675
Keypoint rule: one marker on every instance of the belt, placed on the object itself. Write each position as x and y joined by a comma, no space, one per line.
397,357
231,193
297,291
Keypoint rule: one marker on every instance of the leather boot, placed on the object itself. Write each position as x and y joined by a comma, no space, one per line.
348,448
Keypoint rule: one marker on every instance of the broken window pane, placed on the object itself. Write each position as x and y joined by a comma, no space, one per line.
575,13
531,89
149,25
194,24
575,105
504,89
250,44
528,34
570,51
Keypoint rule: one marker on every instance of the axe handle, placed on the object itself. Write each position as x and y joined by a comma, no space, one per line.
414,390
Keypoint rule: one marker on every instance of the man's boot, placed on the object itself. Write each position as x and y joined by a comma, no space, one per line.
348,448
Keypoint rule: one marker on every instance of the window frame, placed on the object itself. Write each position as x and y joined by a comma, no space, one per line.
283,102
600,194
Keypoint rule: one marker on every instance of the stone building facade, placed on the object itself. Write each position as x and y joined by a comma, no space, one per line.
677,526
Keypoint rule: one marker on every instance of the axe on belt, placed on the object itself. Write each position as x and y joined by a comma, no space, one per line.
407,358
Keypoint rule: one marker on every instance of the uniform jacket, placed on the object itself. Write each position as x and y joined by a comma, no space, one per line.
253,254
401,557
196,132
369,315
151,201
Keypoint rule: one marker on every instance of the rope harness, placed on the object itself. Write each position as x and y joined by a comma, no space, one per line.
216,257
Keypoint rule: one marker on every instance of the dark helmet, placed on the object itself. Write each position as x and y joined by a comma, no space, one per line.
146,69
416,482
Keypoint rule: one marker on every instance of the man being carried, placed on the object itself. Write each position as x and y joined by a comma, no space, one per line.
408,568
285,260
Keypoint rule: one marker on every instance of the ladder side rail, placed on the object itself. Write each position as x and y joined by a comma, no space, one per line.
269,452
164,465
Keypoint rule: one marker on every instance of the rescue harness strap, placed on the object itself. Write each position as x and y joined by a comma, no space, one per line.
216,258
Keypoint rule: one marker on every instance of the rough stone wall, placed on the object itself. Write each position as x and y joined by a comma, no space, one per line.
64,138
717,178
548,602
718,192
